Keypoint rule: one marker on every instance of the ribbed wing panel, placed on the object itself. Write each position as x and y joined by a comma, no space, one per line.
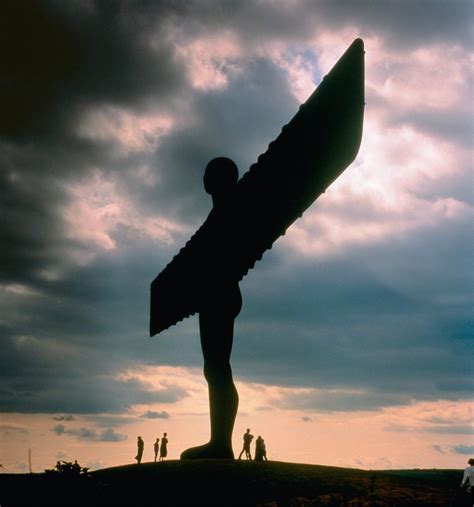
313,149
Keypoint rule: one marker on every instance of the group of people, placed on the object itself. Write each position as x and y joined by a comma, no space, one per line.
162,449
260,447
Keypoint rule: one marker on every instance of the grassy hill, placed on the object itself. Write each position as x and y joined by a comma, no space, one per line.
228,482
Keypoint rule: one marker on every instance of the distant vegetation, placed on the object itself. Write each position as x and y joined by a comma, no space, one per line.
68,468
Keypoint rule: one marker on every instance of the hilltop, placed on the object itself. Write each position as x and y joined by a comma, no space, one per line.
232,482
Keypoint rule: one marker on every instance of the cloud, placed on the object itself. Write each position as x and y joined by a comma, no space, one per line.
110,113
13,428
59,429
150,414
90,434
109,420
438,448
462,449
440,429
306,419
456,429
65,417
109,435
83,389
78,53
334,400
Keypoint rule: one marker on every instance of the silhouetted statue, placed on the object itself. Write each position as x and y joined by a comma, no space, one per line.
140,446
220,304
164,447
156,447
248,216
248,437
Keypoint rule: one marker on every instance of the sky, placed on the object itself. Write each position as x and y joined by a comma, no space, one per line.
354,345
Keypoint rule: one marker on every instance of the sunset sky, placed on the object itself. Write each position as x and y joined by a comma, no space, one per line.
354,346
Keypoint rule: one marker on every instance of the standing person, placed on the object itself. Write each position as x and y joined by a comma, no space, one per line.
164,447
264,450
468,479
246,448
156,446
259,449
140,446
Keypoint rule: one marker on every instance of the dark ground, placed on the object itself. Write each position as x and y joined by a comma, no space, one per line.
227,482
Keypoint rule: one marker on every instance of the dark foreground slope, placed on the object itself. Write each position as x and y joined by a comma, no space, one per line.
222,482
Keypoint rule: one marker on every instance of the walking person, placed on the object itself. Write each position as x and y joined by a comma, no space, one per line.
164,447
140,446
468,479
248,437
156,447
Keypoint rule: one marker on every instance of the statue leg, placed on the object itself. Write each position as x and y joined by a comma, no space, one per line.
217,331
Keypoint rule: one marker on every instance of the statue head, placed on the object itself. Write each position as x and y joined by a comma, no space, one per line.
220,177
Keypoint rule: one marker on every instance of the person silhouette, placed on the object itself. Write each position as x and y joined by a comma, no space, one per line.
164,447
156,447
220,303
259,449
468,479
140,446
248,437
263,448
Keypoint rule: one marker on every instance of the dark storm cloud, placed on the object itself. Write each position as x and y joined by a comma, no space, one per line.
60,59
128,71
403,23
332,323
52,378
348,322
61,56
90,434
